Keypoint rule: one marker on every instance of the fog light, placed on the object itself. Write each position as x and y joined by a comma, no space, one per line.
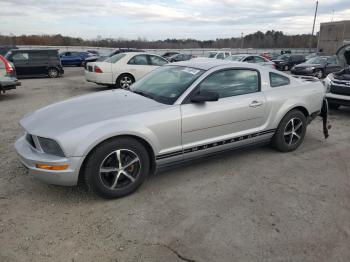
49,167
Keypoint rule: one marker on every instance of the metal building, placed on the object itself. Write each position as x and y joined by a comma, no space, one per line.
333,35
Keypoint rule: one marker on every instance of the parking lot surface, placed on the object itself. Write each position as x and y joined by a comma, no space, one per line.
252,205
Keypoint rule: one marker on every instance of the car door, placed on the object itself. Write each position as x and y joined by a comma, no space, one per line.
240,111
21,63
39,62
332,65
138,66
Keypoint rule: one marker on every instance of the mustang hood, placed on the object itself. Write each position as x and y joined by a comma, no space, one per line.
84,110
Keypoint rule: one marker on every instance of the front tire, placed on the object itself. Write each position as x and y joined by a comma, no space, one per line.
318,73
290,132
117,167
125,81
53,73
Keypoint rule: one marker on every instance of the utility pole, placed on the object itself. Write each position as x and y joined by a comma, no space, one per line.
242,41
313,28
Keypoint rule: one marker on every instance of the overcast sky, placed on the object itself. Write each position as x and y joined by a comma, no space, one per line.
199,19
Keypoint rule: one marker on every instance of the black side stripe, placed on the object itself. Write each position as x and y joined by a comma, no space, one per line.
215,144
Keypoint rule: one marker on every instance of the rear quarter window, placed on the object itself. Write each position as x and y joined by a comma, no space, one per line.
277,80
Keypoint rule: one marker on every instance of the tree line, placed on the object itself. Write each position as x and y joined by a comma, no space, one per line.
269,39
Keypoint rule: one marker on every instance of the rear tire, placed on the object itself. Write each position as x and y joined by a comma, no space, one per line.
53,73
125,81
290,132
117,167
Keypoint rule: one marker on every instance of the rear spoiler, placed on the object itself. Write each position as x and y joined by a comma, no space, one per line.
307,78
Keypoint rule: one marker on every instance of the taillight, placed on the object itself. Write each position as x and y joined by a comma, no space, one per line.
97,69
8,67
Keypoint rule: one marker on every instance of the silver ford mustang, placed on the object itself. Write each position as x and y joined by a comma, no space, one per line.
114,139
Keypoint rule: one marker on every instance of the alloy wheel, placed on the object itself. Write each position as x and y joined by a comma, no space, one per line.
120,169
53,73
293,131
318,74
125,82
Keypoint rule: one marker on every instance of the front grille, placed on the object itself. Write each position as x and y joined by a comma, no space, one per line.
30,140
340,82
90,68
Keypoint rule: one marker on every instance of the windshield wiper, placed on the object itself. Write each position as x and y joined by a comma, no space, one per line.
144,94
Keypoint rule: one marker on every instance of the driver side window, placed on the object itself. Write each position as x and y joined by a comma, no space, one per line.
232,82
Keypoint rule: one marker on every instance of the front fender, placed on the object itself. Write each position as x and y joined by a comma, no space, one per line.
80,142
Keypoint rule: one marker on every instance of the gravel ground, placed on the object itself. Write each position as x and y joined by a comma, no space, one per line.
253,205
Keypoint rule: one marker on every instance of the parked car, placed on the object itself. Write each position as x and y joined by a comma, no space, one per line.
249,58
77,58
166,55
319,66
118,51
123,69
36,62
286,62
312,55
338,83
180,57
5,48
8,78
114,139
219,54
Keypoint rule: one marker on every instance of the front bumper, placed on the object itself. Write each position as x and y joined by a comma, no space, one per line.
29,157
338,99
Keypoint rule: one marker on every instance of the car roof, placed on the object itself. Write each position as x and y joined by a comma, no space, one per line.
33,50
208,63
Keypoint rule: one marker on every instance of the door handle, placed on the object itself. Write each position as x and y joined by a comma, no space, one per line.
256,103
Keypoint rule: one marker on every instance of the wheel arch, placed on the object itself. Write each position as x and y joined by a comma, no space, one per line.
124,73
143,141
299,107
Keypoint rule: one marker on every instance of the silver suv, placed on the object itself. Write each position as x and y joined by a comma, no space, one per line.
178,112
8,78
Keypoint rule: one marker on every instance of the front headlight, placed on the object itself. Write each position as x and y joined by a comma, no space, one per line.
311,68
50,146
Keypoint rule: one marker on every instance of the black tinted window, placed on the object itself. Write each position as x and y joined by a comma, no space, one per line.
20,56
38,56
249,59
232,82
332,61
278,80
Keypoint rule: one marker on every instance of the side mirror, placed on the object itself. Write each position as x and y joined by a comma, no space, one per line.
205,96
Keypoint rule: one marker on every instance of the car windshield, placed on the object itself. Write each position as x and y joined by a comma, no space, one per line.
317,60
212,54
115,58
166,84
283,57
235,58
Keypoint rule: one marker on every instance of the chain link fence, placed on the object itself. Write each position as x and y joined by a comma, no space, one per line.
194,51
